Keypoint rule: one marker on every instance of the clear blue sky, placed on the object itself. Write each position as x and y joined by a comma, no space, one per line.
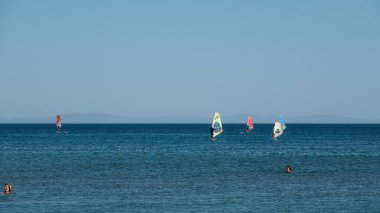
140,58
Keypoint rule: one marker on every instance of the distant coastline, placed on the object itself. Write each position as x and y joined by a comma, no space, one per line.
101,118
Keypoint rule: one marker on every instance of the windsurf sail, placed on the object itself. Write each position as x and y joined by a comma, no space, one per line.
58,124
282,121
279,127
216,125
249,124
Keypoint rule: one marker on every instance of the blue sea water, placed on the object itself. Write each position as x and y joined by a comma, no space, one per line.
176,168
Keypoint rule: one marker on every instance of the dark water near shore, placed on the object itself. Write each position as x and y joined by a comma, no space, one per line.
176,168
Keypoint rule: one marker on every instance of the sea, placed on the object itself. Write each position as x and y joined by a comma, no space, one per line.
177,168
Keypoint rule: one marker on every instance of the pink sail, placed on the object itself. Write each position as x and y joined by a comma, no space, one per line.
249,124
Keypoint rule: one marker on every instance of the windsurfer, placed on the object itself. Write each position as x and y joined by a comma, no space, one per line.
249,126
212,133
58,124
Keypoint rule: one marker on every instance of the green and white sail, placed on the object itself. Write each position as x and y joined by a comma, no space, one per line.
217,124
279,127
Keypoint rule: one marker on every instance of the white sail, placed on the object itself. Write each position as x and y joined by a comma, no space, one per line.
277,129
217,124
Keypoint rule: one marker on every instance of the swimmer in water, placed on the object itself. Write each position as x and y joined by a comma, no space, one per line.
288,169
7,188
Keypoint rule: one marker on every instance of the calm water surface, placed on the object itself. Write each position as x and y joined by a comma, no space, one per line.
176,168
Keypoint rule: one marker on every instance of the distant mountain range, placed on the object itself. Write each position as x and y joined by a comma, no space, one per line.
239,118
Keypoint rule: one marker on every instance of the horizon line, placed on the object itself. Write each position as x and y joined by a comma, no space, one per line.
160,123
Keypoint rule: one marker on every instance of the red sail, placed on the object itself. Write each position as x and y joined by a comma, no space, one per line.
58,122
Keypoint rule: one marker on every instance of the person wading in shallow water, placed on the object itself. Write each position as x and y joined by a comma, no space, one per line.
288,169
7,188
